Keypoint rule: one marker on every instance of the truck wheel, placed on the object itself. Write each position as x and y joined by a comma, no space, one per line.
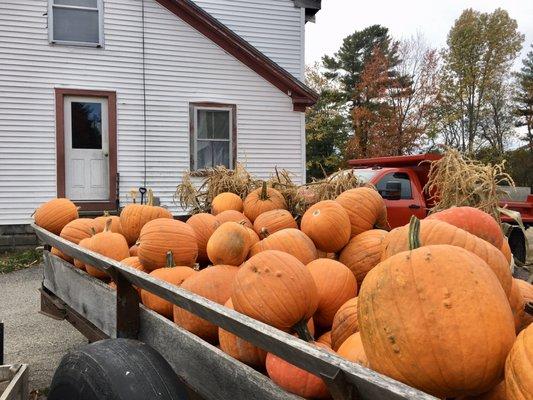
115,369
517,243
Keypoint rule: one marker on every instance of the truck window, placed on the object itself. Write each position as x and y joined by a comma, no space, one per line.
401,177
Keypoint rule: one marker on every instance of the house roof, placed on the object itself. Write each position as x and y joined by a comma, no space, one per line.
301,95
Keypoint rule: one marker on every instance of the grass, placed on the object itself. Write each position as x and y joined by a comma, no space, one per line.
19,259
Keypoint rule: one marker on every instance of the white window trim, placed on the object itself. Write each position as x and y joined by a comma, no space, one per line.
100,9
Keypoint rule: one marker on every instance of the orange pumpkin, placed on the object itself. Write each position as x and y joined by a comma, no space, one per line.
496,393
86,244
213,283
325,338
519,367
134,250
79,229
229,244
363,252
336,285
55,214
366,209
526,291
292,241
352,349
474,221
272,221
204,225
345,323
239,348
132,262
328,225
115,222
60,254
162,235
226,201
438,232
506,250
254,239
517,304
233,216
262,200
275,288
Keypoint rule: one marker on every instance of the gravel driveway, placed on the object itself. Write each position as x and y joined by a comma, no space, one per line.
30,337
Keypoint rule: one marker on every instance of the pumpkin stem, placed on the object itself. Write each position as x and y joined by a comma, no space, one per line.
106,214
93,231
264,194
414,233
302,331
150,200
108,223
133,194
170,259
264,233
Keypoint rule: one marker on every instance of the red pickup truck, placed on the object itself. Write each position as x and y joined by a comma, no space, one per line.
400,181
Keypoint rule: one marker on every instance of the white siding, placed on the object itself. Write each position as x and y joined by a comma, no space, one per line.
182,66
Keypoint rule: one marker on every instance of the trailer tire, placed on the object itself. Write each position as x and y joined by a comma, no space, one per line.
115,369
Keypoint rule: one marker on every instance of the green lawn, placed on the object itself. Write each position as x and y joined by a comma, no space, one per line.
19,259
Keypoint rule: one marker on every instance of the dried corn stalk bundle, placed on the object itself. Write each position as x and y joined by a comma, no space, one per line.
456,180
294,195
330,187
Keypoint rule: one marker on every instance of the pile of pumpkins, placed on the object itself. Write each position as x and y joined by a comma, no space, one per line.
432,304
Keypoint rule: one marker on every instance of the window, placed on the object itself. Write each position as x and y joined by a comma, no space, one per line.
86,125
401,177
213,135
77,22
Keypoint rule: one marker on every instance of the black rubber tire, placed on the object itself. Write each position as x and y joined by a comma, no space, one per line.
517,243
115,369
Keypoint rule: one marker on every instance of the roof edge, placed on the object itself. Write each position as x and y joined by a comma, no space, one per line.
312,7
301,95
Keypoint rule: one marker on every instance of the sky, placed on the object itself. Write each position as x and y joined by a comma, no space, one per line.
431,18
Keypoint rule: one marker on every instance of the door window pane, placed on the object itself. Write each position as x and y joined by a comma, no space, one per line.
86,125
76,25
402,177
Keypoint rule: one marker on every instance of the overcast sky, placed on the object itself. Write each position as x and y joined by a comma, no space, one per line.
432,18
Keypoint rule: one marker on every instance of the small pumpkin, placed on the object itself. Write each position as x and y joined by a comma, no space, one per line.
363,252
213,283
162,235
519,367
55,214
115,222
352,349
86,244
226,201
229,244
335,284
132,262
366,209
506,250
328,225
204,225
273,221
262,200
345,323
58,253
234,216
134,250
79,229
291,241
526,291
325,338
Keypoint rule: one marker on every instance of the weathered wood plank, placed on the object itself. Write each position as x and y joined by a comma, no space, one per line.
17,389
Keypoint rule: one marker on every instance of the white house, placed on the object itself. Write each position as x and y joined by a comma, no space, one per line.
101,96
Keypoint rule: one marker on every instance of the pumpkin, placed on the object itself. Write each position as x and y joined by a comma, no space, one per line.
115,222
352,349
438,232
474,221
276,288
234,216
517,304
296,380
134,250
262,200
55,214
325,338
213,283
171,274
86,244
203,225
132,262
226,201
239,348
292,241
109,244
519,367
365,207
60,254
496,393
162,235
526,290
436,318
229,244
328,225
254,239
335,284
363,252
79,229
345,323
506,250
273,221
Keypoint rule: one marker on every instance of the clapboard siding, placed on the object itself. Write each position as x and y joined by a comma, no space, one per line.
182,66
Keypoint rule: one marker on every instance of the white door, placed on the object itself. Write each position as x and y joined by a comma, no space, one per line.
86,148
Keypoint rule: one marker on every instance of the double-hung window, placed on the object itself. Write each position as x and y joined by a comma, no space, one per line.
76,22
213,135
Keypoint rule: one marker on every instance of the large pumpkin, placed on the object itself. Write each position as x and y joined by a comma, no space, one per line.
115,222
438,232
496,393
204,225
352,349
474,221
292,241
328,225
239,348
517,304
162,235
325,338
226,201
86,244
345,323
213,283
55,214
526,291
519,367
272,221
437,319
275,288
229,244
233,216
365,207
262,200
134,216
506,250
363,252
335,284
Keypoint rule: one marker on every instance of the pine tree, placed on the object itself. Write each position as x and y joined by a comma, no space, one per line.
524,98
